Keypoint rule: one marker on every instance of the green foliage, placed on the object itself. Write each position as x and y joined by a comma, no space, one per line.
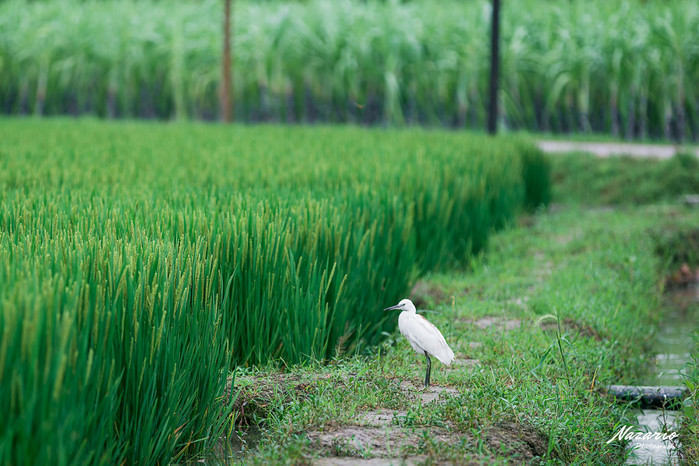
586,179
140,261
112,350
536,173
678,244
594,270
626,67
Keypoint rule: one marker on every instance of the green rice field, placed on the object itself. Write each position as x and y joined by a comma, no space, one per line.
142,262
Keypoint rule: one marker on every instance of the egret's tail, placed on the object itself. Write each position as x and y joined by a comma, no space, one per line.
446,357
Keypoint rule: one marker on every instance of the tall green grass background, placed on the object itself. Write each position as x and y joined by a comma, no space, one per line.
140,262
625,67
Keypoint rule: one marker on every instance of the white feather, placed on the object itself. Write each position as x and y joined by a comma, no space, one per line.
422,334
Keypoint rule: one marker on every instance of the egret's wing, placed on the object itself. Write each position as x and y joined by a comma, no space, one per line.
428,337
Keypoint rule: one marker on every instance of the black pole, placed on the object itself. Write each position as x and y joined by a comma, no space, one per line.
494,68
225,104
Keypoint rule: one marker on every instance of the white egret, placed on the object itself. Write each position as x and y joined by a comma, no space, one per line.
422,335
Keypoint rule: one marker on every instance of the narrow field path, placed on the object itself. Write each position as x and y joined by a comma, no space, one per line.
606,149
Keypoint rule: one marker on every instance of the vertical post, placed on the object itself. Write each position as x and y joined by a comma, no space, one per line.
494,68
226,106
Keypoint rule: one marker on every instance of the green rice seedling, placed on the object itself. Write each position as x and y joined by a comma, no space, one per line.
128,357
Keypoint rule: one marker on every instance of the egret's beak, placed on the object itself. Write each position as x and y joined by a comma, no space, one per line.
397,306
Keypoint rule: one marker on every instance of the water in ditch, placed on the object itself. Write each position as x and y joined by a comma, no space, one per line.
232,449
671,348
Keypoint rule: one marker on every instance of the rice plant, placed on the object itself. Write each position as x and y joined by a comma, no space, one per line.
625,67
140,262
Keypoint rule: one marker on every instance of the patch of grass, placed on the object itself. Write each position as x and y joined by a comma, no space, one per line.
588,180
678,243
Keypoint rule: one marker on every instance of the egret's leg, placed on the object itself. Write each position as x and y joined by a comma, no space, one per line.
429,368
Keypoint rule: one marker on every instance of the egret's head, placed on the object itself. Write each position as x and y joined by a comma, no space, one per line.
403,305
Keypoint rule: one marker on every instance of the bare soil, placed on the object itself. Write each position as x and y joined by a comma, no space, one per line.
494,321
522,442
391,444
376,442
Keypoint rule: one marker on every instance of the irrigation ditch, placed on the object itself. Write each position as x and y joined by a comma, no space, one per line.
659,396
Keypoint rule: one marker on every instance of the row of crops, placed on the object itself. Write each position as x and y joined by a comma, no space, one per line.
626,67
141,262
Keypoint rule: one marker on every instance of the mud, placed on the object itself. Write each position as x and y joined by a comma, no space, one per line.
522,442
374,442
